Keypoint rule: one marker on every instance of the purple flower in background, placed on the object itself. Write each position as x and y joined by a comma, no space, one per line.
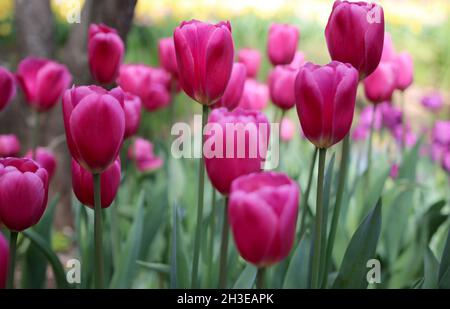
391,115
360,133
365,118
433,102
441,132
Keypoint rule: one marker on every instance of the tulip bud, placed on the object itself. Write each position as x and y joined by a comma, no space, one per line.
141,152
43,82
167,56
355,33
287,129
4,259
83,184
7,87
262,211
105,52
251,58
282,43
405,71
132,108
298,61
255,95
94,121
235,88
325,97
9,145
45,158
23,193
380,85
433,102
205,55
281,86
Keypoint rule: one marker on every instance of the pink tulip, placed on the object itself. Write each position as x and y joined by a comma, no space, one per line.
167,56
23,193
43,82
409,135
360,133
132,108
405,71
9,145
389,53
282,86
287,129
105,53
251,58
7,87
433,102
83,184
355,33
263,209
141,152
94,120
391,115
235,88
205,55
46,159
4,258
298,61
380,85
282,43
366,116
240,150
393,173
441,132
325,97
255,95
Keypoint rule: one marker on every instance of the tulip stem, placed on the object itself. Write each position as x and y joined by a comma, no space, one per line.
369,149
319,218
260,275
224,248
201,188
212,230
98,232
304,203
12,259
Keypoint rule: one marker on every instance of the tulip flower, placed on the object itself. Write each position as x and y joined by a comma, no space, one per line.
360,133
298,61
366,118
392,116
205,55
441,132
83,184
9,145
405,71
433,102
263,210
45,158
325,97
255,95
43,82
389,53
251,58
380,85
7,87
141,152
132,109
282,43
287,129
4,258
105,53
403,135
235,88
355,33
393,173
167,56
94,121
282,86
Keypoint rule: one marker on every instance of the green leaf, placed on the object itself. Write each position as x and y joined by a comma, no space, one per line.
431,270
157,267
444,269
362,247
297,273
173,253
246,278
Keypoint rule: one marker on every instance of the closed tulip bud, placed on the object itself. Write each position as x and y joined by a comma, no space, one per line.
380,85
141,152
281,86
43,82
405,71
298,61
235,88
251,58
325,97
4,259
132,108
433,101
105,53
263,209
205,55
7,87
255,95
46,159
94,121
238,150
9,145
83,184
287,129
355,34
167,56
282,43
23,193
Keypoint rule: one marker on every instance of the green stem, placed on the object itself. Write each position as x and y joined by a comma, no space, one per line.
369,149
211,237
115,234
304,203
12,259
201,187
260,277
224,248
98,232
319,218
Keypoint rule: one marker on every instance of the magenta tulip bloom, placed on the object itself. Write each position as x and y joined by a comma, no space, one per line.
282,43
355,33
167,56
391,115
360,133
9,145
433,102
4,260
240,150
366,116
23,193
94,120
46,159
282,86
298,61
405,70
7,87
105,53
287,129
132,108
43,81
380,85
205,55
251,58
255,95
235,88
141,152
263,209
83,184
325,97
441,132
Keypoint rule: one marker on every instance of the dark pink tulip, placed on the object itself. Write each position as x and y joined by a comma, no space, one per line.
205,55
325,97
287,129
355,33
9,145
167,56
255,95
251,58
263,209
235,88
141,152
389,53
433,101
83,184
23,193
391,115
238,151
380,85
46,159
43,82
360,133
405,71
94,120
282,43
4,259
7,87
282,86
298,61
105,53
132,108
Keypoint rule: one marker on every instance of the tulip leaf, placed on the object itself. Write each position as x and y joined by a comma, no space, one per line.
362,248
246,278
157,267
298,270
444,268
431,270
